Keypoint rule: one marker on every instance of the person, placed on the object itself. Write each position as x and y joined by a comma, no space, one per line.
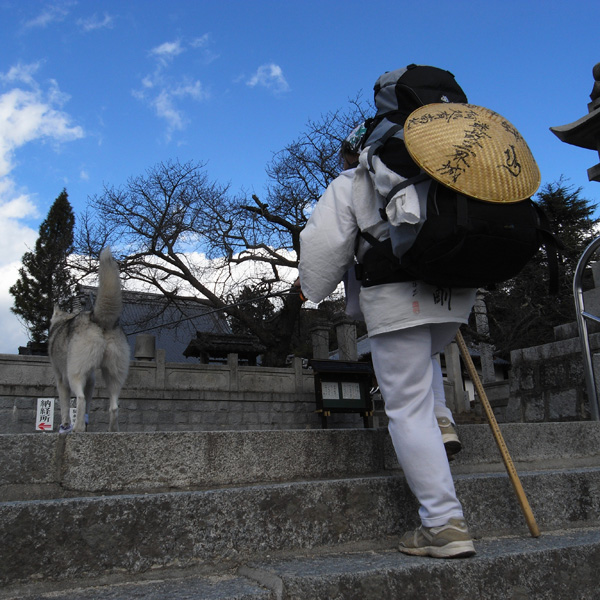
408,323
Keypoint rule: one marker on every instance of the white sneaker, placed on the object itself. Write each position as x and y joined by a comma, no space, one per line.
449,437
451,540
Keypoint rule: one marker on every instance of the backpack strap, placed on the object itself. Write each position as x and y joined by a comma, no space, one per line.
400,186
373,148
379,264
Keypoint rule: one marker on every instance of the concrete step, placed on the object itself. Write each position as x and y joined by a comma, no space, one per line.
166,585
557,565
44,466
99,505
92,536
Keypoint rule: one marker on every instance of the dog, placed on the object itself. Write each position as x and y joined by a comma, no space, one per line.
80,343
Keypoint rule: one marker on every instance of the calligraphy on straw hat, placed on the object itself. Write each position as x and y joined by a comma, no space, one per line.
472,150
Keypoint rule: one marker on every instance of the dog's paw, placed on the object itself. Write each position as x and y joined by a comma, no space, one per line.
65,428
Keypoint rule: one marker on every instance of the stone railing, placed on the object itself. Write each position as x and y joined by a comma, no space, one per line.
161,396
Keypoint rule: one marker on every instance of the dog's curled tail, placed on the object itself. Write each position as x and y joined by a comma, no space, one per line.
109,304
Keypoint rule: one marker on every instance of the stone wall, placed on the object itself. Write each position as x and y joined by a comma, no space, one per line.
547,382
161,396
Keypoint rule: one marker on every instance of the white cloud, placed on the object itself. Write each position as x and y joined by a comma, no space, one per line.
167,52
204,44
165,109
201,42
13,332
15,239
166,93
190,89
21,74
27,113
95,22
271,77
52,13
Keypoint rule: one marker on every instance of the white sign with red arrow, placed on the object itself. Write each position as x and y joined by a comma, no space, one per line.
45,414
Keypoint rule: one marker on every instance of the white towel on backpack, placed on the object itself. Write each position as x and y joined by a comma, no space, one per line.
403,207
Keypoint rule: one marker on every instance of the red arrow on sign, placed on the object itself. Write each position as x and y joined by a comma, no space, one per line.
44,426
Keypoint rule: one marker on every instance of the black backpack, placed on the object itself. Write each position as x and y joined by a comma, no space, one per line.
464,242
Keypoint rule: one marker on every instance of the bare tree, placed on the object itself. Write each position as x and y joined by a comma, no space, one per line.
186,237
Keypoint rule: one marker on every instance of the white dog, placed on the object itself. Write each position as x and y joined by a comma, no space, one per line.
83,342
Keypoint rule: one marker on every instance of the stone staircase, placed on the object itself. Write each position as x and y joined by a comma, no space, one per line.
281,515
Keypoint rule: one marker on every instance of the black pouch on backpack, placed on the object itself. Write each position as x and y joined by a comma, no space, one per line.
466,242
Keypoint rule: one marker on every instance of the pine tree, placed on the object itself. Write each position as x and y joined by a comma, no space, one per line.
44,279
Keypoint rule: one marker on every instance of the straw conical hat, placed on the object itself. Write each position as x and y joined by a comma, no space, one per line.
473,150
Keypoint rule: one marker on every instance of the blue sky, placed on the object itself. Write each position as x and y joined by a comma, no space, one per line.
93,92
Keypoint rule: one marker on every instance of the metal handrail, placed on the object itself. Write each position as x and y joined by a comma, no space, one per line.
582,318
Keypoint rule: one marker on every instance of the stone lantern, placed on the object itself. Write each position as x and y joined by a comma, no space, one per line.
585,133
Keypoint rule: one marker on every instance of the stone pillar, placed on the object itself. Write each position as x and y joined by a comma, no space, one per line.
320,340
345,329
145,347
485,350
459,402
233,364
161,368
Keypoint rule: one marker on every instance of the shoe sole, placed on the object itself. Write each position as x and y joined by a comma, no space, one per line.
452,447
451,550
451,443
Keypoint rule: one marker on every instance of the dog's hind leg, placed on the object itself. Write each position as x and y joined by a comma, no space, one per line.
64,394
115,367
113,386
83,389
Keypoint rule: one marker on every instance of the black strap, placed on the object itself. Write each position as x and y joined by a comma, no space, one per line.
462,211
403,184
384,247
373,148
422,176
379,265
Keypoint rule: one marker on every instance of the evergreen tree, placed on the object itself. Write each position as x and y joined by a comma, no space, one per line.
522,313
44,279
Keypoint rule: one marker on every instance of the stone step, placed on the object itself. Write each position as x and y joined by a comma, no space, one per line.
559,564
95,536
171,586
45,466
555,566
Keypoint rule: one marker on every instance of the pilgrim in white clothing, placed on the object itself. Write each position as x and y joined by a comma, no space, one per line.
408,323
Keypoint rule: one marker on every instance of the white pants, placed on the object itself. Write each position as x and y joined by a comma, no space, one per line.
410,380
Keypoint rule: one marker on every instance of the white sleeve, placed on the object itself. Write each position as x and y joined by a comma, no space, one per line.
327,243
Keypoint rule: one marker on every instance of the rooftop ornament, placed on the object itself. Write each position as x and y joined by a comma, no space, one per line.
585,132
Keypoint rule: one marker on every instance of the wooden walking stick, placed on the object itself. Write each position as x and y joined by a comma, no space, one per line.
489,413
